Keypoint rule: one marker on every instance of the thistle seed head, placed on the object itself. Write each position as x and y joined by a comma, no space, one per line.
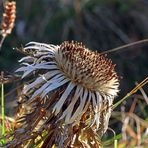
84,81
89,69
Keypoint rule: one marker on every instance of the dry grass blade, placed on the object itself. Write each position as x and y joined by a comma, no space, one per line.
125,46
134,90
144,94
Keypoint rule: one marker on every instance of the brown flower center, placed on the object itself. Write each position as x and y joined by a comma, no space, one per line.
90,69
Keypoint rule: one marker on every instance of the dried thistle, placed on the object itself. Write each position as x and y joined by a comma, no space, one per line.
8,20
70,98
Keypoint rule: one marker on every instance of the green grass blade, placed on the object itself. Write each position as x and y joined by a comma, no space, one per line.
3,112
115,143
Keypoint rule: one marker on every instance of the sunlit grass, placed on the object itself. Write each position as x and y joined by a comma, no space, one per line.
2,114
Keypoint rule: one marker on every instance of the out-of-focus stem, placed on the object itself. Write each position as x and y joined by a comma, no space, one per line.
2,110
1,41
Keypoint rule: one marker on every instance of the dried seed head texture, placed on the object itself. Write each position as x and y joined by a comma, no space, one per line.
9,16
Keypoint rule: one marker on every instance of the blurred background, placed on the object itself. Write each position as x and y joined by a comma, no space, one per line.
100,24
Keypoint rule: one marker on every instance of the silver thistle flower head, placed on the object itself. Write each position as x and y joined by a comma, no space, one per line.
82,78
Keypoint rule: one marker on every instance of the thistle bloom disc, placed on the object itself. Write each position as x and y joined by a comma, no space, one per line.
83,79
